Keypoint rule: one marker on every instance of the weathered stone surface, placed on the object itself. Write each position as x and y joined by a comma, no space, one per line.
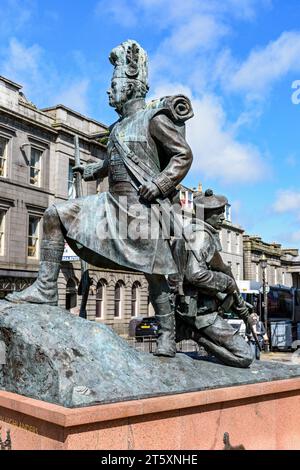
54,356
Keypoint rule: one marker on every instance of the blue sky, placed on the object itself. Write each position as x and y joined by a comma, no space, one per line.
236,59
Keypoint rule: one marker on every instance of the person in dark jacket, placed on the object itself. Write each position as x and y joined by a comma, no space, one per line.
262,336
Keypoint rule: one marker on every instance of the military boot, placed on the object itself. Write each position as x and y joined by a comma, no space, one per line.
44,289
166,345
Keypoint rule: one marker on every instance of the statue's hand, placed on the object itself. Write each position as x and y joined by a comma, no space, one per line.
241,308
149,191
78,169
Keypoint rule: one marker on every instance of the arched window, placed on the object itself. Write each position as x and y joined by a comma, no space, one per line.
135,299
150,311
119,298
71,294
100,298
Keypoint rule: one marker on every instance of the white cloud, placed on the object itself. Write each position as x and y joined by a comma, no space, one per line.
292,237
218,153
291,160
21,62
295,236
120,10
287,200
193,31
264,66
75,96
42,82
15,14
247,9
199,32
179,10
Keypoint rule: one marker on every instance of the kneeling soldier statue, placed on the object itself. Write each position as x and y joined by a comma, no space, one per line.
205,287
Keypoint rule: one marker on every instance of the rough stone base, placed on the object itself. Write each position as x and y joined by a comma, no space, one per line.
56,357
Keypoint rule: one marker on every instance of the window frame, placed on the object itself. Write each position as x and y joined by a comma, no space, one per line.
237,243
101,301
38,237
72,292
119,302
135,302
229,241
2,231
71,183
35,148
238,271
5,158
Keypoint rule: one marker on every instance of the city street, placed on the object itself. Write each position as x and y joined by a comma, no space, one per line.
282,356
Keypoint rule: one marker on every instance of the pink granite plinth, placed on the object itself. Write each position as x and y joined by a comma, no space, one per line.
259,416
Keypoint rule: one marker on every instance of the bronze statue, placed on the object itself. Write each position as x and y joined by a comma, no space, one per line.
204,287
147,156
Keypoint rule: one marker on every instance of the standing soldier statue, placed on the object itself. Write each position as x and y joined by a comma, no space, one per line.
147,156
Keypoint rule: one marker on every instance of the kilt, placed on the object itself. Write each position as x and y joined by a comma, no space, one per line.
113,230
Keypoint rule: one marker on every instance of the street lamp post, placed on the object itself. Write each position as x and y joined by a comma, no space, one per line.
264,264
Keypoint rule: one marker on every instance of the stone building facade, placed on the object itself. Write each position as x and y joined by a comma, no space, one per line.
36,157
231,237
283,265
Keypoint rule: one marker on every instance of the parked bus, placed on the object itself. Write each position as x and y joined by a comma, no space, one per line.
283,311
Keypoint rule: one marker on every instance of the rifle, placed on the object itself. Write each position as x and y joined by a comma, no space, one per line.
237,302
86,281
227,302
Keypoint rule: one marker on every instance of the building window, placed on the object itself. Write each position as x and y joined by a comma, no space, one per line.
228,212
238,271
71,294
237,243
228,241
182,197
186,199
33,236
100,298
3,156
2,232
190,198
119,295
135,299
71,185
275,276
35,166
257,272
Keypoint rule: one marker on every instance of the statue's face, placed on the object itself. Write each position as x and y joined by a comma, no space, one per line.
215,218
118,93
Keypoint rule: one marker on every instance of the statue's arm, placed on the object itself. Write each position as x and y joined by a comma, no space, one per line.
217,264
208,281
93,171
174,149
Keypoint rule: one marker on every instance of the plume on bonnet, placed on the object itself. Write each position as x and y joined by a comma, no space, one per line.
130,61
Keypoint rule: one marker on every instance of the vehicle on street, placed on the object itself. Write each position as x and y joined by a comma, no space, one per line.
147,328
283,317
